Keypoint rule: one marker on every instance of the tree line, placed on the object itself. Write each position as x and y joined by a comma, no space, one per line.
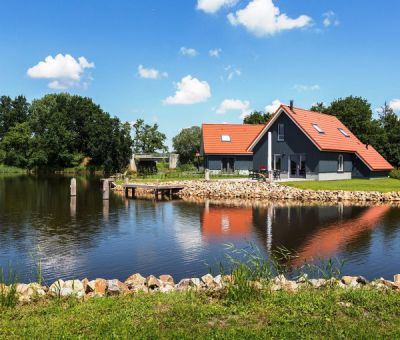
382,132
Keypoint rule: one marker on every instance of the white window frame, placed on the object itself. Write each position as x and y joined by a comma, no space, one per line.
344,133
281,132
340,163
318,128
225,138
276,155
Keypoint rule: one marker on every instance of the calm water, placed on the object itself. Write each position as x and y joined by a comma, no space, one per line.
87,237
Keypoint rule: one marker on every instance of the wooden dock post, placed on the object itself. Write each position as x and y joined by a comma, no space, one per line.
106,190
73,187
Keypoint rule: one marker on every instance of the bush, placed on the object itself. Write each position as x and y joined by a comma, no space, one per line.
187,167
395,174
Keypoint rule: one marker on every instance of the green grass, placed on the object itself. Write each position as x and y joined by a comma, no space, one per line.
307,314
381,185
5,169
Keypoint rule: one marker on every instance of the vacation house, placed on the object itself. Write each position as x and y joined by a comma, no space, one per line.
299,143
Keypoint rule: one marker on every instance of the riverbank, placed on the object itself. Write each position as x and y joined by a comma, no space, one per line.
247,189
296,309
5,169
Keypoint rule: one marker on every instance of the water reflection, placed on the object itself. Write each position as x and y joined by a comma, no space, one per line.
86,236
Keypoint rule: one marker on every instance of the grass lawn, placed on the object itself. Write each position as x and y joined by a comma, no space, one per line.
5,169
324,313
381,185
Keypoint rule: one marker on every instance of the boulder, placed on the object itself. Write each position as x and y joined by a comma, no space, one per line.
100,286
167,288
135,280
195,282
208,280
396,279
116,287
152,282
167,279
183,284
56,287
349,280
75,285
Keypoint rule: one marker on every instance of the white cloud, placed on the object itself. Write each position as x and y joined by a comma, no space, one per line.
189,91
234,105
65,70
263,18
330,19
213,6
305,88
271,108
215,52
150,73
395,105
191,52
232,72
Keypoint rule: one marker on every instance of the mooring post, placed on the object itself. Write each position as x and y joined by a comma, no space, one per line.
73,187
106,190
207,174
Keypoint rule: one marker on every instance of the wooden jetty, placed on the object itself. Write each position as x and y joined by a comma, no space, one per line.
157,189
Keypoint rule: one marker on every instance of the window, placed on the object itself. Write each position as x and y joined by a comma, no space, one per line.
281,132
225,138
340,163
277,162
344,133
316,127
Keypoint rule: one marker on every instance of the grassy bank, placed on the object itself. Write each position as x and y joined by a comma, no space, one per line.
5,169
380,185
326,313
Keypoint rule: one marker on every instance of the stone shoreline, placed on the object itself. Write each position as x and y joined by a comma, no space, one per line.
246,189
85,289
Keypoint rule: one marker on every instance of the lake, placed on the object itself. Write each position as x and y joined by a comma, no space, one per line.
88,237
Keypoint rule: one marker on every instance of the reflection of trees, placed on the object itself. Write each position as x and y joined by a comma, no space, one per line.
37,211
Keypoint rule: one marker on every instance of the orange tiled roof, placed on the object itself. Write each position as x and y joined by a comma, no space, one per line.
241,136
332,139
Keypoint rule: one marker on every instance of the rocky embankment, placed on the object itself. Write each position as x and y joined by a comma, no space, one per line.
85,289
274,191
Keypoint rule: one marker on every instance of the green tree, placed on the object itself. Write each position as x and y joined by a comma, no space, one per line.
319,107
187,143
15,146
356,114
147,138
12,112
256,117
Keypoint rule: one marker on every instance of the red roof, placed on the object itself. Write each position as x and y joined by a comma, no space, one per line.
240,135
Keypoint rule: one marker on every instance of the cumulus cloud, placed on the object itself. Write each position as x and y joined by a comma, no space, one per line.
263,18
65,70
189,90
150,73
190,52
215,52
271,108
213,6
395,105
305,88
234,105
330,19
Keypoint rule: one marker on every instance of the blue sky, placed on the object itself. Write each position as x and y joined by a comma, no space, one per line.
263,52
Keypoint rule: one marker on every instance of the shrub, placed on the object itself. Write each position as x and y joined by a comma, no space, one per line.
395,174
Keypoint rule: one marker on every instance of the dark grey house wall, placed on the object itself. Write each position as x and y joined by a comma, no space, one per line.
360,170
242,162
296,142
328,161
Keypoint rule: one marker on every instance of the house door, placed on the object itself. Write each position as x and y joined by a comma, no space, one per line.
228,164
297,166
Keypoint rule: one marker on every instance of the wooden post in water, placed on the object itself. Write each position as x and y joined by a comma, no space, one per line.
73,187
106,190
207,174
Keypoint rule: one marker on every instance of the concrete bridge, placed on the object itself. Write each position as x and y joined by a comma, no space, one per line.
171,158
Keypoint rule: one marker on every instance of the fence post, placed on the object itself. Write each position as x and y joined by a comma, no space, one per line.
106,189
73,187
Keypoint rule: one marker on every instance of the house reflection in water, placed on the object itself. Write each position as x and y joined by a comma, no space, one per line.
218,221
311,232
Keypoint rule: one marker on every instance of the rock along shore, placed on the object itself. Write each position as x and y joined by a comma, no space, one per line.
246,189
85,289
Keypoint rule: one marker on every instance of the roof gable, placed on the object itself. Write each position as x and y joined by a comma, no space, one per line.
229,138
332,138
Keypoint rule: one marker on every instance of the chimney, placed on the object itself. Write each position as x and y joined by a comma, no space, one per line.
291,105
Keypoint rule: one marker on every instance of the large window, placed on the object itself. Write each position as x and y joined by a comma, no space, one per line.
340,163
318,128
281,132
278,162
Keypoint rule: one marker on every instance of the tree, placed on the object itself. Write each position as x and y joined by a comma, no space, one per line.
15,146
319,107
187,143
147,138
12,112
356,114
256,117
